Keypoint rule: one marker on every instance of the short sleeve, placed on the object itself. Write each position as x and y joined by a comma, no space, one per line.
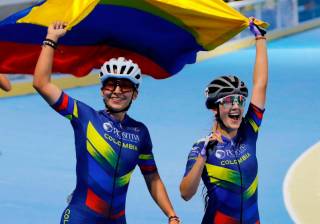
253,119
193,155
146,161
66,106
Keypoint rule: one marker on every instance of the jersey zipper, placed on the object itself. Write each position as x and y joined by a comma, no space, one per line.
115,175
241,186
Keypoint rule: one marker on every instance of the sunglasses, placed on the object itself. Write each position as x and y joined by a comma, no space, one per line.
229,101
124,85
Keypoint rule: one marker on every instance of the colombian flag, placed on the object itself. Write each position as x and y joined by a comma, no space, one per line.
162,36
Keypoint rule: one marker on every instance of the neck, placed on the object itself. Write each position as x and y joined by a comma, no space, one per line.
227,132
118,116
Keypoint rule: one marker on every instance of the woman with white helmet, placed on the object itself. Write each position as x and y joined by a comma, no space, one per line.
226,158
109,143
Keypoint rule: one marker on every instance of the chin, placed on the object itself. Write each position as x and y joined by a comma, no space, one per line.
233,126
117,108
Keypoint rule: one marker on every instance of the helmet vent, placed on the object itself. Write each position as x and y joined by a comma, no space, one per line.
108,68
122,69
130,70
228,90
219,82
138,76
212,89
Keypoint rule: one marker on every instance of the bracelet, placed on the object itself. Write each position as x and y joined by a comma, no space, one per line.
261,38
50,43
174,217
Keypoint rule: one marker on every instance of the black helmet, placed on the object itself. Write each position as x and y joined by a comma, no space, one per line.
224,86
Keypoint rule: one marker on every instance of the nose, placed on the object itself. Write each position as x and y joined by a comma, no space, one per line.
117,89
236,105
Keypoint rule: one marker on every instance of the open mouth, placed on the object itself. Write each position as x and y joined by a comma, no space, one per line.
234,116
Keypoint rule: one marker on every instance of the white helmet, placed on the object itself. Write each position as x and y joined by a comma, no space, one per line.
121,68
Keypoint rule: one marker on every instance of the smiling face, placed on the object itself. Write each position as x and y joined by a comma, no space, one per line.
232,117
231,109
118,93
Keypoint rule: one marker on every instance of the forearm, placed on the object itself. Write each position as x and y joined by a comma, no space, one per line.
260,77
160,195
190,183
43,70
42,75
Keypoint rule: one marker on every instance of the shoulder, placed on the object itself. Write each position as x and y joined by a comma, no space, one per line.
199,143
138,125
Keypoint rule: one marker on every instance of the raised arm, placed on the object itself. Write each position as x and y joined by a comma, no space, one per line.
160,196
260,73
5,83
42,75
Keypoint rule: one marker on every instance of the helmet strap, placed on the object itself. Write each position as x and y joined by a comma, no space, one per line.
219,120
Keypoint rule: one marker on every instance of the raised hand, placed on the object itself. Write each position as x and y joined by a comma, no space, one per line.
256,30
209,143
56,30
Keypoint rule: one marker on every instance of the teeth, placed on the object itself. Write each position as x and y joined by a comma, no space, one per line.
234,116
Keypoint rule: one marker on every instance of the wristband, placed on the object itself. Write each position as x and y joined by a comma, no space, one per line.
50,43
174,217
261,38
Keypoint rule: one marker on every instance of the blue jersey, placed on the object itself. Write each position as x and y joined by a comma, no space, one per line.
230,174
107,152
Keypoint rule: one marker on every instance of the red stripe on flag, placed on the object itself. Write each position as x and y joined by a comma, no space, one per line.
221,218
95,203
18,58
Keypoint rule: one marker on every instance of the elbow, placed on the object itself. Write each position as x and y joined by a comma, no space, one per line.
185,197
185,193
37,84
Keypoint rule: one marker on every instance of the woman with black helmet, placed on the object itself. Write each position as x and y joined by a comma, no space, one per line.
226,158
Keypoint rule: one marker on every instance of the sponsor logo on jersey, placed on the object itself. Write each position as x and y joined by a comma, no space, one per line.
109,128
231,152
66,216
220,154
236,161
118,142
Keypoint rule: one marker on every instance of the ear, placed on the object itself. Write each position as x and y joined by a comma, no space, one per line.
135,95
215,111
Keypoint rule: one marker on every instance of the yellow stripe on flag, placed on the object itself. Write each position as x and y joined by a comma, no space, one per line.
214,21
70,11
